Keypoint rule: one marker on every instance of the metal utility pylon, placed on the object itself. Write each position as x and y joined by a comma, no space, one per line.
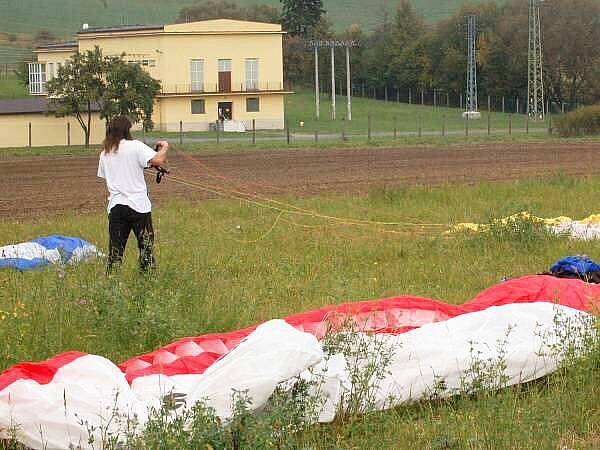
535,83
472,65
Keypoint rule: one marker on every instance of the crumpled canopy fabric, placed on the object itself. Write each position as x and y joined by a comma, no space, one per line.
430,339
46,250
584,229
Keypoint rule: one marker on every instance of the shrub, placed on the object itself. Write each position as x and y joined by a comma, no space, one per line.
582,121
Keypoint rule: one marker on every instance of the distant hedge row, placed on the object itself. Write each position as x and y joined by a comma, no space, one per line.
581,122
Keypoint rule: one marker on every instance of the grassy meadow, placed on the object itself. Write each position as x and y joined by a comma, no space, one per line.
10,88
64,17
224,264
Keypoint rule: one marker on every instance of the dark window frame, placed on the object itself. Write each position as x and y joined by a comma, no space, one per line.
197,101
248,109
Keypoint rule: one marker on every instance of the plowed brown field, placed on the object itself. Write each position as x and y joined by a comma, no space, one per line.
38,186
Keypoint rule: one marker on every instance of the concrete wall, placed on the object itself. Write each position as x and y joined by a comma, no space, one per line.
171,110
46,130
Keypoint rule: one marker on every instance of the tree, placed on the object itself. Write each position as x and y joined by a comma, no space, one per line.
301,16
89,81
77,88
407,57
129,91
571,33
223,9
22,72
44,37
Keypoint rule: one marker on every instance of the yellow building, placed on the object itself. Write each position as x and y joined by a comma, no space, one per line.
224,71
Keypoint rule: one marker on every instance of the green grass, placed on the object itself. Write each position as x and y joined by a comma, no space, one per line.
11,88
301,107
277,144
210,280
12,54
65,17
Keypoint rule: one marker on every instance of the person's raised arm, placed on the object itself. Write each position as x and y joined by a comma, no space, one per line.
161,153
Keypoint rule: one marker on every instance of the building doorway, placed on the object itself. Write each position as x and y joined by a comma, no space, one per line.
225,111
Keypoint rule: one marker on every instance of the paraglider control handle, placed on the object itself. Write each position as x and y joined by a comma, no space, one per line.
160,171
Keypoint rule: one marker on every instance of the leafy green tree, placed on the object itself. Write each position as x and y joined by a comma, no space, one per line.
408,59
300,17
78,88
223,9
129,91
90,81
22,72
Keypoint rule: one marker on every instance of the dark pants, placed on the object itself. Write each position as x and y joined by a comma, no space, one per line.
121,221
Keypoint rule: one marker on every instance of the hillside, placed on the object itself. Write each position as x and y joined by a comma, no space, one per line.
66,16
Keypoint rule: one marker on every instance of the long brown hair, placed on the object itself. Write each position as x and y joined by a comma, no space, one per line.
118,128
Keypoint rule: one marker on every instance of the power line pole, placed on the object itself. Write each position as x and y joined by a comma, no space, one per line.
535,80
472,69
348,85
317,99
333,82
333,44
471,100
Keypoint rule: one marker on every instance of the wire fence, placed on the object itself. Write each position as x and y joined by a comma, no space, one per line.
443,97
7,70
371,129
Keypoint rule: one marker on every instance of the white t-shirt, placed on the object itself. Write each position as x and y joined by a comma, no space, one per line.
124,175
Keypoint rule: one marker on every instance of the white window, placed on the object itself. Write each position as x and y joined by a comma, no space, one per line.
50,69
37,78
224,65
252,74
197,75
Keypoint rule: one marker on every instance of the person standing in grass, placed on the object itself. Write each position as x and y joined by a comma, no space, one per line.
122,164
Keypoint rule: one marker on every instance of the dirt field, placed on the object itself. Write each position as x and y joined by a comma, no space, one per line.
37,186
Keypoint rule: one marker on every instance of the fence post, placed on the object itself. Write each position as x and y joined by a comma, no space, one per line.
395,127
549,123
461,101
517,105
420,125
369,130
447,99
503,104
509,123
217,128
29,129
180,132
68,134
397,95
385,93
527,125
344,128
253,131
489,123
443,125
410,96
316,132
467,126
287,131
422,97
